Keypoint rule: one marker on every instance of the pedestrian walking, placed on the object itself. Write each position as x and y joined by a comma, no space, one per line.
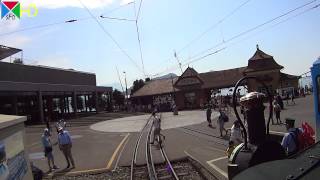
47,121
236,135
287,98
277,110
290,139
209,112
61,123
65,145
156,127
280,101
221,120
292,98
47,145
271,108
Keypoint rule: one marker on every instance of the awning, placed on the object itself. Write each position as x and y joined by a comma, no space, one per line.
7,51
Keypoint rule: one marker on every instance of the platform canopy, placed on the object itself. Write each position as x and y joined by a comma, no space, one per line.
7,51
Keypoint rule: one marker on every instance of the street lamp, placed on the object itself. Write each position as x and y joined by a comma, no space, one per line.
125,80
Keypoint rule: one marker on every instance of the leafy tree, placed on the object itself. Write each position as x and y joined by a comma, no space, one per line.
18,61
118,97
137,84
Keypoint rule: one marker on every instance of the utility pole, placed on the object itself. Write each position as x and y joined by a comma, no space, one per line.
174,106
180,66
119,79
126,97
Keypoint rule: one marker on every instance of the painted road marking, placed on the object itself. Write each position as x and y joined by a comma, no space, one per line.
100,169
211,163
37,155
277,132
118,159
77,172
33,144
116,151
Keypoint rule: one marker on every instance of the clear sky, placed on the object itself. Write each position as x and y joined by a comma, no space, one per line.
165,26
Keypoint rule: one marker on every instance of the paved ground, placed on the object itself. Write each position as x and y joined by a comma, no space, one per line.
186,135
136,123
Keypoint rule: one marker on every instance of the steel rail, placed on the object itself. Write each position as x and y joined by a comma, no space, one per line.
150,165
134,156
172,171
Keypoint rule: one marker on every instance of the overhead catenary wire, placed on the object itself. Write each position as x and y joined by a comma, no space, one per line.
110,36
139,10
213,26
115,18
202,34
197,58
278,23
138,35
188,63
69,21
254,28
119,79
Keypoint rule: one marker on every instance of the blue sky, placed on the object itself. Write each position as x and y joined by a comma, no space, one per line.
165,26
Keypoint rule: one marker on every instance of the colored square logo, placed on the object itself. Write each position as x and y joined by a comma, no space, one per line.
10,9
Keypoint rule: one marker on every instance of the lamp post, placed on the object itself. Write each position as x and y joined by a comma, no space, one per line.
125,81
126,96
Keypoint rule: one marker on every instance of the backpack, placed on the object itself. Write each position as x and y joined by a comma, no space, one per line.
303,139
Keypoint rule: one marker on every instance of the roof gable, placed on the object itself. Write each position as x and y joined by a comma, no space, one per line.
262,61
189,77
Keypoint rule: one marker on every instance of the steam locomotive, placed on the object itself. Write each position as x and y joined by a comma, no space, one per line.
261,156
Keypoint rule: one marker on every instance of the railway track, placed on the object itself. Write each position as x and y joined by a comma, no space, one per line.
151,171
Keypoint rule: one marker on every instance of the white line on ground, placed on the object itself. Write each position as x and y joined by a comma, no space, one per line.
277,132
211,163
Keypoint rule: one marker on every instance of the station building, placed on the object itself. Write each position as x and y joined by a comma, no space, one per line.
45,93
192,90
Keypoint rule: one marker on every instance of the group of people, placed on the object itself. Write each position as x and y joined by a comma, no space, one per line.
223,118
289,142
64,142
278,106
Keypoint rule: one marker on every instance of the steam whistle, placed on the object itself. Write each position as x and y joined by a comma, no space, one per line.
254,112
258,147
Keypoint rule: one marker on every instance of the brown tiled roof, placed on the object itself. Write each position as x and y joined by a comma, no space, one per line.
262,61
221,79
284,76
213,79
154,87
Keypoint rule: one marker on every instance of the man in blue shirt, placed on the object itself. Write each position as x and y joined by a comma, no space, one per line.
46,143
65,145
290,140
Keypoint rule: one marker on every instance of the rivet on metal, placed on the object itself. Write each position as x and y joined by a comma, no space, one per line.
301,169
290,177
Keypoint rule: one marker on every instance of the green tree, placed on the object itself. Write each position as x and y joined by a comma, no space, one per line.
137,84
118,97
18,61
